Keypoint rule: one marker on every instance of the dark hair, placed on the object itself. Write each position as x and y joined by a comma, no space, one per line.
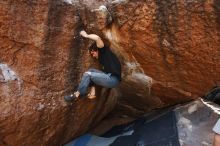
106,42
93,47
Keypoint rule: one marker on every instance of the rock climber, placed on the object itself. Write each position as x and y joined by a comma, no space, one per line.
109,77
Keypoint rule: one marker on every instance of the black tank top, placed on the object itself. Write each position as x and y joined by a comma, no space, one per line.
110,62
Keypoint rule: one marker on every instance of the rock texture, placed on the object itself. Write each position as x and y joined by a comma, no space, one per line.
176,43
195,122
42,59
169,51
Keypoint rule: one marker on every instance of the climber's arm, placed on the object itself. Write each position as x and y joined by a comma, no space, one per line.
216,141
94,37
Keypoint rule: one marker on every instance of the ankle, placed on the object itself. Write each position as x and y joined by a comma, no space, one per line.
77,93
92,91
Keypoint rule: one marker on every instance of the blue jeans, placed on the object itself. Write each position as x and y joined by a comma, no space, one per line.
97,77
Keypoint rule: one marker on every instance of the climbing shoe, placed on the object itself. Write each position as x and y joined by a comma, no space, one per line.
71,97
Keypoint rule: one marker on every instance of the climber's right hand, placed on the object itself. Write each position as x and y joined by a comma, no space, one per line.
83,33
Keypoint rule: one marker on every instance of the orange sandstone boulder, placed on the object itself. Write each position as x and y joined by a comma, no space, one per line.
169,51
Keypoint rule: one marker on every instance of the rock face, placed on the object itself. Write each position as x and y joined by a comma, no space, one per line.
195,122
169,52
174,43
192,123
42,59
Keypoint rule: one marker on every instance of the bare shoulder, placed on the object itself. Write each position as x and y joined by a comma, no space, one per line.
100,44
